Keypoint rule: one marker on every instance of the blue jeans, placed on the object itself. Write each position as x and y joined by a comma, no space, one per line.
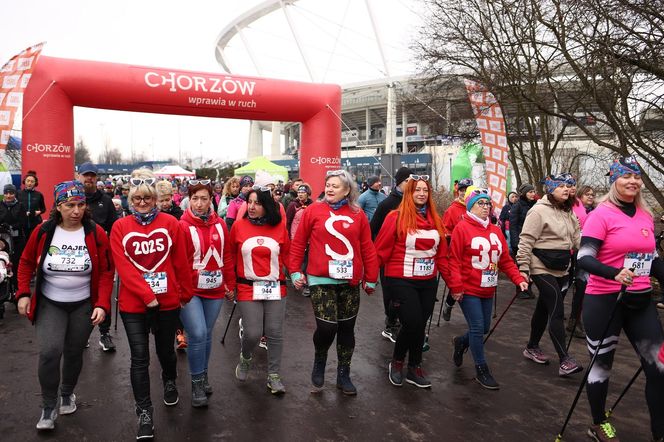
477,312
198,318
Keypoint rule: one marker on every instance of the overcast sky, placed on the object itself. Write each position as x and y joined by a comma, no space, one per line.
175,34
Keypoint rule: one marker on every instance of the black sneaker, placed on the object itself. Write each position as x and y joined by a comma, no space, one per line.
395,373
417,377
459,350
171,396
390,334
485,378
343,381
198,397
145,426
106,342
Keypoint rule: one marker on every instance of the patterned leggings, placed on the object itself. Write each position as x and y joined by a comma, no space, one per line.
335,308
637,316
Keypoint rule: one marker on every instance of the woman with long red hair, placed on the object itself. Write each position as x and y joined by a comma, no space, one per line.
412,249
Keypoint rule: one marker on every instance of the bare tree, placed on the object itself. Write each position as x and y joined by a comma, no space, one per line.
81,152
558,66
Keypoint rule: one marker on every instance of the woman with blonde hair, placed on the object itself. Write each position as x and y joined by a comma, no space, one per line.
618,249
230,192
411,247
341,258
150,252
165,199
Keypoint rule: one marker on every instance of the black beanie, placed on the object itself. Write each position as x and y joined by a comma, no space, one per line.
525,188
401,175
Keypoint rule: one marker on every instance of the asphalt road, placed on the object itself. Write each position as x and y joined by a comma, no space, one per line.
530,406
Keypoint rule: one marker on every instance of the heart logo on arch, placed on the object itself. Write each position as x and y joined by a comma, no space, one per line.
260,241
147,252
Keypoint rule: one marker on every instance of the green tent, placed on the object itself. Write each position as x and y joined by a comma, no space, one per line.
262,163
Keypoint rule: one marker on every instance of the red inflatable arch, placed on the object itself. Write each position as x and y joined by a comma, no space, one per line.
57,85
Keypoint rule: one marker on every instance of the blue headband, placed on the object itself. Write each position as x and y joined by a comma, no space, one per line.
623,166
552,181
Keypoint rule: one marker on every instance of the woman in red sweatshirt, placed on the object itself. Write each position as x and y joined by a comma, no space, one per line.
150,253
341,256
259,243
477,252
412,249
213,277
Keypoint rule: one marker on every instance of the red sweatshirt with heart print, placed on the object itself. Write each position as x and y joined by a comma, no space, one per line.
151,261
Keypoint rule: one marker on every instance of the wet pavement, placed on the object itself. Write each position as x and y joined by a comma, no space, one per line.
530,406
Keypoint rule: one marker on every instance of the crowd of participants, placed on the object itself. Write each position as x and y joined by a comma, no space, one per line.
180,250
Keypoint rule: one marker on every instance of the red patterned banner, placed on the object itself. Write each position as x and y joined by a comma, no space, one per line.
14,78
491,125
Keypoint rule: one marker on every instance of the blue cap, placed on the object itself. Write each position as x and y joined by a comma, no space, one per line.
87,167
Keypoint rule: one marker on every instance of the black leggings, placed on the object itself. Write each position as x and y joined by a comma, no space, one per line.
414,301
637,316
549,310
136,327
335,308
391,315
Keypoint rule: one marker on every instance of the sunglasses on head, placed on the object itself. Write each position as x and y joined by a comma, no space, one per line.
335,172
202,182
135,182
262,188
418,177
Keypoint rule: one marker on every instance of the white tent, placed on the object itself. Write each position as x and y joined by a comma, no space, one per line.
174,172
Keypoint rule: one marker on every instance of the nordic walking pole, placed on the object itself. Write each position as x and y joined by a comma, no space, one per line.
624,392
495,302
571,335
229,322
440,312
501,318
116,287
623,289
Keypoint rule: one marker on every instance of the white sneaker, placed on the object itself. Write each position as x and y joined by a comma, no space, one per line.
47,419
67,404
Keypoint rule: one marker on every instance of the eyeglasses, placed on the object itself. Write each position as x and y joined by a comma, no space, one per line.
202,182
335,172
138,199
135,182
418,177
484,203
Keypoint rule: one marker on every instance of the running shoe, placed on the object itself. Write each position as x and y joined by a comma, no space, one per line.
604,432
263,342
47,419
275,385
106,342
535,354
242,368
67,404
389,334
395,373
426,346
181,340
171,396
417,376
145,426
569,366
